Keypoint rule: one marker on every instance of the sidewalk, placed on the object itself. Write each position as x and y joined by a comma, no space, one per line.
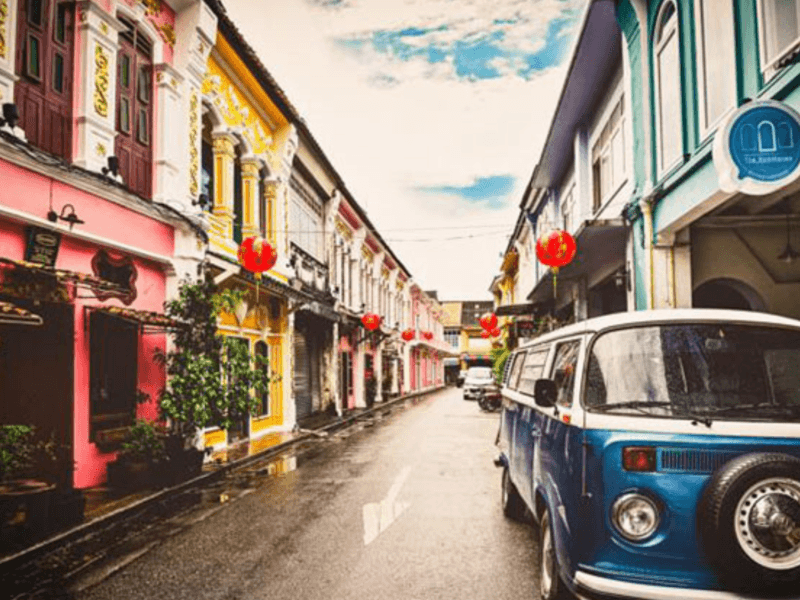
104,510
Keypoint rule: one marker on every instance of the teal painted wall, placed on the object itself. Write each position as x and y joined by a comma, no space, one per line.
639,279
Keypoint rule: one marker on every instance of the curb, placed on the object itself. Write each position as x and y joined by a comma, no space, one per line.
85,529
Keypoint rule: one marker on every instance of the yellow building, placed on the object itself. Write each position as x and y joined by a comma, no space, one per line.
242,144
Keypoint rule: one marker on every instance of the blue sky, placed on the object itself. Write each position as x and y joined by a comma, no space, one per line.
432,111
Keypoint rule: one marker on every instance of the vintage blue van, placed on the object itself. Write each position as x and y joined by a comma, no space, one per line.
659,453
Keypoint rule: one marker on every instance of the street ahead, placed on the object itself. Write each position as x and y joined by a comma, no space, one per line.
406,510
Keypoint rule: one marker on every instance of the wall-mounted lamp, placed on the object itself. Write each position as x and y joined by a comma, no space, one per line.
67,214
203,201
112,170
10,116
788,255
622,278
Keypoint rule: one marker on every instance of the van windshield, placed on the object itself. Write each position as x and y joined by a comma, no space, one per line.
479,373
681,371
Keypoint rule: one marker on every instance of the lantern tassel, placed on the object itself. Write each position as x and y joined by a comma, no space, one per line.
555,272
258,281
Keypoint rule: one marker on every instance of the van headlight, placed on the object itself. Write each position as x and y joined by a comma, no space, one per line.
635,516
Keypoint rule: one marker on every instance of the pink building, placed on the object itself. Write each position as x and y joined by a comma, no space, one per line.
96,220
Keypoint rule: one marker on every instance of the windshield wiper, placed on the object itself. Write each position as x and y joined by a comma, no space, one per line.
721,410
640,405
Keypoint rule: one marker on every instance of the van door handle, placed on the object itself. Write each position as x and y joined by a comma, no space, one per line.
536,432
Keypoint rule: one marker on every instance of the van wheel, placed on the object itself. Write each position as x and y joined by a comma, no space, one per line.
550,585
513,505
749,520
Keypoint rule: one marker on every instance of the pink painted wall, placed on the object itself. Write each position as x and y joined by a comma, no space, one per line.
30,192
27,191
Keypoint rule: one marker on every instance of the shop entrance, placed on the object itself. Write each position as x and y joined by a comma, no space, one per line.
726,293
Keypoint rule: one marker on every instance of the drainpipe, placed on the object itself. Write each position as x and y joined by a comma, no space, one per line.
645,204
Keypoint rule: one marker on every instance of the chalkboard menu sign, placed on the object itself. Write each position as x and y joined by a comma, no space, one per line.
42,246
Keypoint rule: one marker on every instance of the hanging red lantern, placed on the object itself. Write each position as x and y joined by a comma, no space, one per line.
496,332
428,335
555,249
488,321
371,321
257,255
485,334
408,335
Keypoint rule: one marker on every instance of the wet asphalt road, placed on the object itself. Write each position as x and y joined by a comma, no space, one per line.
407,509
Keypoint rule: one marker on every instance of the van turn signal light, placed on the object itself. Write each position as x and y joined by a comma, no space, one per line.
641,459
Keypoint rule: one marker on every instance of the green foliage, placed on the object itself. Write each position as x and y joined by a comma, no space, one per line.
146,442
212,380
499,358
16,450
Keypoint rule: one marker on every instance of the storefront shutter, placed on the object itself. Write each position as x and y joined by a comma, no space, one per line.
302,376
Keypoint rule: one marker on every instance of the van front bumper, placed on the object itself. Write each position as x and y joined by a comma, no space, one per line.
592,587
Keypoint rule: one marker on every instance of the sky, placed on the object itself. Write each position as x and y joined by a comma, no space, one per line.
433,112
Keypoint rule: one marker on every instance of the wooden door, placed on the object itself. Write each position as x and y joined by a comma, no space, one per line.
133,145
43,94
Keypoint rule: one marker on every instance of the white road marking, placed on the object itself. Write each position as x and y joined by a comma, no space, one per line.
378,516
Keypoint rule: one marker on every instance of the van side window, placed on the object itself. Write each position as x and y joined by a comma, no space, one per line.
516,368
564,366
532,370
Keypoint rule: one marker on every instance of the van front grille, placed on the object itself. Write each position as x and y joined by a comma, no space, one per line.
692,460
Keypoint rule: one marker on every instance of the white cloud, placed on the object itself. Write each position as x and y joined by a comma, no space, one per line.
429,130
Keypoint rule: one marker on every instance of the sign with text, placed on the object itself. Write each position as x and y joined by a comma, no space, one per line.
757,151
42,246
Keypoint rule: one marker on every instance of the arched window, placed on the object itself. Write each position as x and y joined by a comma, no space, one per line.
669,114
716,64
207,164
780,31
132,145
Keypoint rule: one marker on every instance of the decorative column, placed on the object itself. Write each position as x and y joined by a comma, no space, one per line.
250,199
8,38
169,155
98,35
270,191
222,211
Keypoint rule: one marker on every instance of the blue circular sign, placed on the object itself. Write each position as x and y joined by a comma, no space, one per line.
764,143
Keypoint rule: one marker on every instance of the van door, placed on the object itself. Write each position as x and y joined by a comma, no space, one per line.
510,411
527,432
559,448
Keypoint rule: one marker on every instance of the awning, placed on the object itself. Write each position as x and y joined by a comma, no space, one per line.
62,275
148,321
321,310
509,310
265,282
601,244
11,314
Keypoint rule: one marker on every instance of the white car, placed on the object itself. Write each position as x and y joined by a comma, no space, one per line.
477,379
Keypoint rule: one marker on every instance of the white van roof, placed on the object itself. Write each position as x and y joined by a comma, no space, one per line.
636,317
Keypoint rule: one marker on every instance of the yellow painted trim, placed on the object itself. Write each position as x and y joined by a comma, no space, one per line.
232,59
212,438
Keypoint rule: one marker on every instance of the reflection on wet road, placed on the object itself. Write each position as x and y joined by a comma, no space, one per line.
408,508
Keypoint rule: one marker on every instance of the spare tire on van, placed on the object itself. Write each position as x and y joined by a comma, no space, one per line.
749,522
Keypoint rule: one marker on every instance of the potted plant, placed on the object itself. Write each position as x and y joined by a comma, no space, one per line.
212,382
24,499
142,460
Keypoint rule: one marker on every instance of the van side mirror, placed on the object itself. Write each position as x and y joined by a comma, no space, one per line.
545,393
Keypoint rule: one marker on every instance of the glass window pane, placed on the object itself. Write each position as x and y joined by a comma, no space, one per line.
564,366
143,85
58,73
36,12
34,61
60,30
718,59
670,102
142,128
125,71
124,115
780,27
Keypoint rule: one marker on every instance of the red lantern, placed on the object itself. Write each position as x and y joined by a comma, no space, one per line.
257,255
408,335
371,321
485,334
488,321
428,335
555,249
496,332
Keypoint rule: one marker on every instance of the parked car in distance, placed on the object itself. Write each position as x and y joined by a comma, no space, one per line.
477,379
659,452
462,374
